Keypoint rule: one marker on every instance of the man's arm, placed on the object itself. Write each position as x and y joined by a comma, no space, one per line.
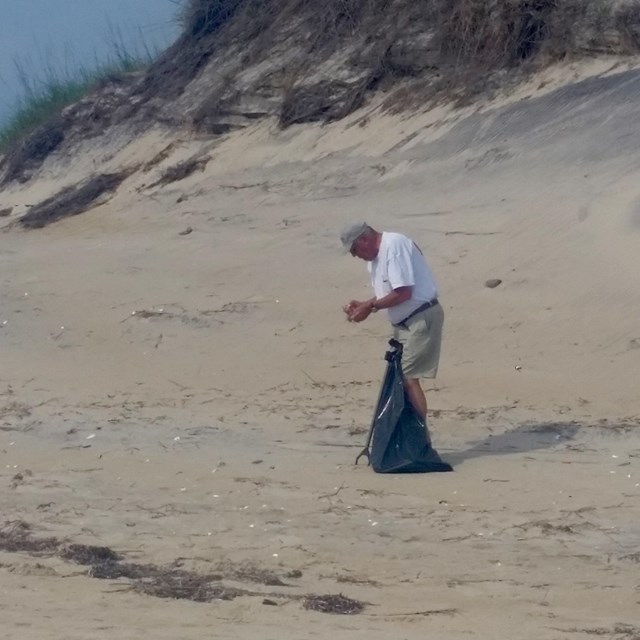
362,310
397,296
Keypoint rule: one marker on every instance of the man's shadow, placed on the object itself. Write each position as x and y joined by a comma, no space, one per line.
524,438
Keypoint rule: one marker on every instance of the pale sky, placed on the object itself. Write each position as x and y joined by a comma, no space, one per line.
66,33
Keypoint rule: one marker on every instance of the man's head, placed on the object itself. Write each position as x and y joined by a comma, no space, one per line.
361,240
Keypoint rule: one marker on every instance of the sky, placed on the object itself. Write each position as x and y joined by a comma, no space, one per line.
64,34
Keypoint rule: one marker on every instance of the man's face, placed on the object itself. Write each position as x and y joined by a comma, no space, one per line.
365,247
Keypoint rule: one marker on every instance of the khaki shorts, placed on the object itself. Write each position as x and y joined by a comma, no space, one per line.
421,341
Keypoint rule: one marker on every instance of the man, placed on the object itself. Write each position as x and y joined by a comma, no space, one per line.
403,285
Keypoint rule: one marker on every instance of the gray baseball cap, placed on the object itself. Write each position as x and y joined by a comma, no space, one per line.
351,233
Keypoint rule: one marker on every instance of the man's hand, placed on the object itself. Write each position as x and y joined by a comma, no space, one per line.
357,311
349,308
360,313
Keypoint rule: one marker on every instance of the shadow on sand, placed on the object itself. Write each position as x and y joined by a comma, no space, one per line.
526,437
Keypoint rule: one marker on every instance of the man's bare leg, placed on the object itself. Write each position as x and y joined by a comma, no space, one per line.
417,397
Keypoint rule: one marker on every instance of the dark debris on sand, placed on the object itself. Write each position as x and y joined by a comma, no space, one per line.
186,585
339,604
89,555
180,171
170,581
16,537
73,200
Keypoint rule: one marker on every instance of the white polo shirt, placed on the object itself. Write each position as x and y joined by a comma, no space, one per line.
400,263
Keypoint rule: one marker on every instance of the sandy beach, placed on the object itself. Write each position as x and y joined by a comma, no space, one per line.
179,384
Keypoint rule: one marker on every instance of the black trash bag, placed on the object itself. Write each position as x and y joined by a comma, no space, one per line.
398,440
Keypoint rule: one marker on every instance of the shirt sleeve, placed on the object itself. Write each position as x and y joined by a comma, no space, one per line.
400,269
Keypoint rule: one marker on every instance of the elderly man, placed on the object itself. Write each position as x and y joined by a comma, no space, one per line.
403,285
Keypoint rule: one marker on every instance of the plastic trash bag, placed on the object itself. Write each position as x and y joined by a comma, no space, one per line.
398,440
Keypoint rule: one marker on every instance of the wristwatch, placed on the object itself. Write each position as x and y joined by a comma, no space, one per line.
373,306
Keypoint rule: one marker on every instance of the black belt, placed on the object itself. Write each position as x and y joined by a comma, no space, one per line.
420,309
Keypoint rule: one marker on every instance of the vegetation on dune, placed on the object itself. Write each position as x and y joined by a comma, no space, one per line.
497,32
449,49
305,61
414,50
466,37
44,95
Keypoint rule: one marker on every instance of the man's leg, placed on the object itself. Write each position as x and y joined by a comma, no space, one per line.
417,397
421,354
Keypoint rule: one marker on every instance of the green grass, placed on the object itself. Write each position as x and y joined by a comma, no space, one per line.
40,107
45,95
